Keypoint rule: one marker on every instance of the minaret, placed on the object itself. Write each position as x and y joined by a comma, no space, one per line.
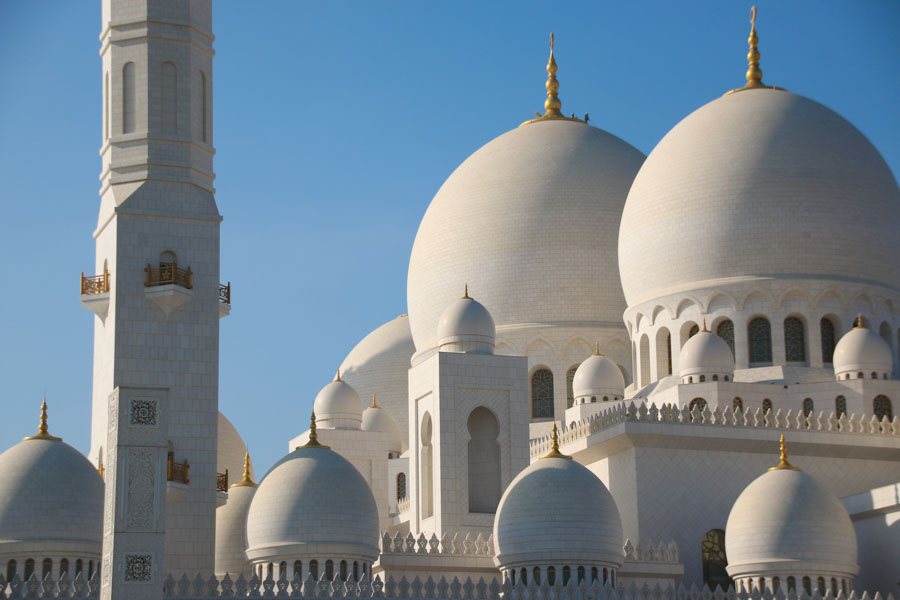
156,293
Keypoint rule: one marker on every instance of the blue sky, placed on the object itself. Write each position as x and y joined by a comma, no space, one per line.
335,124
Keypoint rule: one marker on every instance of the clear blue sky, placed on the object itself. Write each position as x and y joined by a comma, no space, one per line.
335,123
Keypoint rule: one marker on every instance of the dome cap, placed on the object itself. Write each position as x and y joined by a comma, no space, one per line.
466,326
705,354
338,405
861,350
598,375
375,418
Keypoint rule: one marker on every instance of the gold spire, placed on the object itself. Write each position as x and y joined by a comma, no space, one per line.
247,481
313,437
100,466
43,433
754,73
704,325
552,105
859,321
554,446
374,405
337,377
783,463
597,350
465,292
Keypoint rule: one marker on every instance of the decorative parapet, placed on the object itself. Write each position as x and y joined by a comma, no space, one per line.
721,417
458,545
403,505
651,553
64,587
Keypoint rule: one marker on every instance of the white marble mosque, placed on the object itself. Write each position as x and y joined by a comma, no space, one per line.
550,420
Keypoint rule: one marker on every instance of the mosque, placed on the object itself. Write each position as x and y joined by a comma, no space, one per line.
581,397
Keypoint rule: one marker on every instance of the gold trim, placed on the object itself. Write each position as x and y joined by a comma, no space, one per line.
554,446
704,325
43,432
597,350
374,405
783,463
754,73
247,481
313,437
465,292
859,321
553,105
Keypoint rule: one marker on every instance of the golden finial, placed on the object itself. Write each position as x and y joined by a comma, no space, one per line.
783,463
43,433
374,405
100,466
554,445
337,376
704,325
754,73
552,105
313,437
465,292
859,321
597,350
247,481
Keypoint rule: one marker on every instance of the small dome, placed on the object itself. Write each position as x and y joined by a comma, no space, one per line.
375,418
231,526
338,406
861,350
466,326
598,376
706,353
231,450
580,526
786,521
313,503
49,492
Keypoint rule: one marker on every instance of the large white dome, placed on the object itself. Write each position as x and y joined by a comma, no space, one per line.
379,364
530,222
760,183
49,492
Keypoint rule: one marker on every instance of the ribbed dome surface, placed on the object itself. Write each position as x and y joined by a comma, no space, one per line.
313,496
49,491
706,352
760,183
786,520
530,222
582,523
861,349
597,374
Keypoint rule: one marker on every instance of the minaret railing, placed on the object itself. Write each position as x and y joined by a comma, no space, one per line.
95,284
222,481
225,293
176,471
167,274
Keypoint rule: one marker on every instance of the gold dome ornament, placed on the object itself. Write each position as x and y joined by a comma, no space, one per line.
553,105
247,481
374,405
554,446
754,73
313,437
43,433
783,462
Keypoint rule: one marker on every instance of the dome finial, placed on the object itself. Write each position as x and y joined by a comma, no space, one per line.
43,432
247,481
337,376
465,292
313,436
597,349
704,325
554,445
783,462
754,73
374,405
859,321
552,105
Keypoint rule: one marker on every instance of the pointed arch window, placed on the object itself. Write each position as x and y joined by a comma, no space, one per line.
840,406
826,330
759,334
570,391
669,353
738,405
809,407
794,340
10,569
882,408
767,405
693,330
712,551
542,394
401,486
725,330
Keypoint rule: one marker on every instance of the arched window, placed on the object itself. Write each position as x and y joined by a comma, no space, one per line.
767,405
715,377
821,585
826,330
580,573
712,552
90,569
484,461
807,585
168,93
10,569
570,392
808,407
523,575
298,569
669,353
551,575
593,574
270,570
776,583
282,569
702,378
64,566
881,407
343,570
314,569
694,330
401,486
699,403
128,93
29,568
79,567
725,330
536,575
567,574
792,584
759,336
167,259
737,405
329,569
645,360
355,570
840,406
794,340
542,394
427,468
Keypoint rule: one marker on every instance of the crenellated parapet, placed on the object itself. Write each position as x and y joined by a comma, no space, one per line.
455,545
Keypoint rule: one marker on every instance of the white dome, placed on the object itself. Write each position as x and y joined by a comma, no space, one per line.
580,526
786,522
598,376
862,350
231,450
466,326
706,353
50,493
379,364
338,406
375,418
774,185
313,503
530,222
231,532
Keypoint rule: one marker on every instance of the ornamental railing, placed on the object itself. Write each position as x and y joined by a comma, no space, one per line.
167,274
176,471
222,481
225,293
95,284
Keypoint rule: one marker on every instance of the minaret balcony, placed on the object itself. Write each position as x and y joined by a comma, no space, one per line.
95,293
176,479
222,481
224,300
168,286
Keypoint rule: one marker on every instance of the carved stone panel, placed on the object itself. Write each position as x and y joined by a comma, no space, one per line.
142,412
138,568
141,497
